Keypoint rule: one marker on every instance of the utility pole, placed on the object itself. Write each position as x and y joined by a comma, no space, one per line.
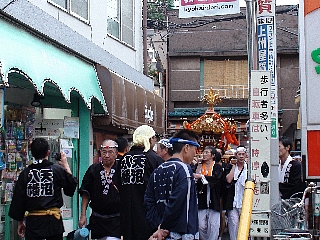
145,42
251,15
264,155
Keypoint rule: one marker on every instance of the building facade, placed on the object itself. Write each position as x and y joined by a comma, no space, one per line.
211,52
71,72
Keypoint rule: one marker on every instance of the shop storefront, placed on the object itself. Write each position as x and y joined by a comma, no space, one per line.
45,91
130,106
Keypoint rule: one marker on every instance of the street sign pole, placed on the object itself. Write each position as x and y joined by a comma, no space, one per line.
252,54
262,168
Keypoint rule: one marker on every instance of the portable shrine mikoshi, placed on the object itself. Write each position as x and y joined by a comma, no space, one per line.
213,129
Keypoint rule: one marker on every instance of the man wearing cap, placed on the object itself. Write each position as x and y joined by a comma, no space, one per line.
236,179
136,167
164,149
100,189
170,198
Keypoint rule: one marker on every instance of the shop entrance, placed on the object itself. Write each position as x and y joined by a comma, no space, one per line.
52,118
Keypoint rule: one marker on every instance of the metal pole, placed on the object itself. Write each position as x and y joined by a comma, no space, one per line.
144,32
166,97
253,60
252,47
252,54
274,143
246,211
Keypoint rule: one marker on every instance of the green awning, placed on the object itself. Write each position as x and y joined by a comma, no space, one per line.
41,62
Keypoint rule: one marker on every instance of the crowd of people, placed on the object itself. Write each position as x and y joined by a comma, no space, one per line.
141,194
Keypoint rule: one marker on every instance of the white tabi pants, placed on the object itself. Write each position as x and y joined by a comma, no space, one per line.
209,224
233,222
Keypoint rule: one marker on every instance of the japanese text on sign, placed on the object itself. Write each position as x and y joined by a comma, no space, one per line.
265,6
260,225
267,52
260,132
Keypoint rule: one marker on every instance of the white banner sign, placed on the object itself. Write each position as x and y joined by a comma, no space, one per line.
260,225
267,49
200,8
48,127
260,132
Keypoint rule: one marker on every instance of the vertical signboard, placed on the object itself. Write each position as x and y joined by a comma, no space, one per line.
310,83
260,132
267,51
312,54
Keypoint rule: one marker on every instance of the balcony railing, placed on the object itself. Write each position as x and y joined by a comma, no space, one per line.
228,91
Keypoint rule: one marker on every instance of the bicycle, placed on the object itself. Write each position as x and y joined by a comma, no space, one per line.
288,218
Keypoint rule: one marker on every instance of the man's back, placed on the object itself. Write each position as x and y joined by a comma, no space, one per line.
136,167
39,188
170,198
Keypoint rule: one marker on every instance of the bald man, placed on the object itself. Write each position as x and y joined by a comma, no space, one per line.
100,189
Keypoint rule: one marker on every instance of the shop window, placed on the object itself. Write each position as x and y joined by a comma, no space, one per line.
120,20
21,125
78,8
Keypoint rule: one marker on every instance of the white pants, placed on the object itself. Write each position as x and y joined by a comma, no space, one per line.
209,224
233,222
109,238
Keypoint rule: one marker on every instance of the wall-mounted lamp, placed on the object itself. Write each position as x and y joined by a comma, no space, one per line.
36,100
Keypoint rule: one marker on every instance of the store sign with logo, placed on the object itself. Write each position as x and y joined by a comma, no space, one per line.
315,55
309,56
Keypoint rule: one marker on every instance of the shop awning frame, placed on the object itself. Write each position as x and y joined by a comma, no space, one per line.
128,103
40,61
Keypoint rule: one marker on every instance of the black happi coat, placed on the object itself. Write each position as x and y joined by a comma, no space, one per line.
104,199
292,181
39,187
215,183
136,169
227,190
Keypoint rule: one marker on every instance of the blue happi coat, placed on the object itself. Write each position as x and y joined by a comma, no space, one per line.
171,199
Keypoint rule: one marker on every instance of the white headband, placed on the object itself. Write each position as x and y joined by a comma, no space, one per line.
241,149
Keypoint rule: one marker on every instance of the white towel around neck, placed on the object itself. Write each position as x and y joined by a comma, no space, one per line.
282,171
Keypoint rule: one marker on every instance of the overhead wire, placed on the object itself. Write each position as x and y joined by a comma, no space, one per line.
195,25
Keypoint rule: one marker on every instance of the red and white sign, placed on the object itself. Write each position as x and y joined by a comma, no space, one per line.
260,137
200,8
310,84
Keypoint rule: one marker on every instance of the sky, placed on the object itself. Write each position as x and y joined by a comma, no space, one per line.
278,2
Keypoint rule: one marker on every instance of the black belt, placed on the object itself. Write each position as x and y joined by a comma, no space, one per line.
103,216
